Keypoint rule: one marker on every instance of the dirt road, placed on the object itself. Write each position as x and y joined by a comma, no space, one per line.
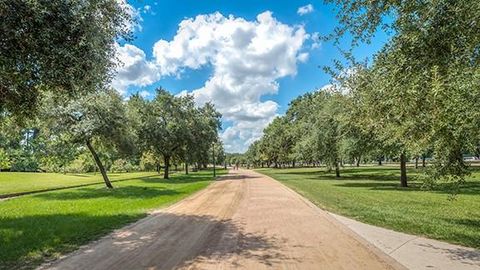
245,221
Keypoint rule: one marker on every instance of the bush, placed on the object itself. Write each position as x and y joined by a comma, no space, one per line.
122,165
148,162
4,160
82,164
24,163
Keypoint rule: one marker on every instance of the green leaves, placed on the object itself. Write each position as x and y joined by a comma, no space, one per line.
421,92
173,127
62,47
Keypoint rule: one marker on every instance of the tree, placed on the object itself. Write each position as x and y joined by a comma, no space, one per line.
63,47
427,75
98,118
165,128
277,141
329,131
204,123
56,151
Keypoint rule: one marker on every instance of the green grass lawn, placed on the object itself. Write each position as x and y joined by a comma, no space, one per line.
373,195
39,227
15,182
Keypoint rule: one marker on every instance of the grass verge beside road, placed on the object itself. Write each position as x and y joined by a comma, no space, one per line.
18,182
373,195
39,227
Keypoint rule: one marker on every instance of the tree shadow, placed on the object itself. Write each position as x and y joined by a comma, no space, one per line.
361,177
147,179
464,256
349,170
229,243
237,177
380,186
29,240
123,192
78,175
465,232
99,182
468,188
386,179
178,179
473,223
160,241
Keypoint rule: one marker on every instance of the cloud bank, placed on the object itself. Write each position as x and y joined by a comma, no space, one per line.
247,59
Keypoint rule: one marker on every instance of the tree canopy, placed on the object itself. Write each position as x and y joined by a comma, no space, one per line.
63,47
417,97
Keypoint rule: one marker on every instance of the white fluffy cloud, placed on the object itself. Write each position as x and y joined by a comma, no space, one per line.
133,68
247,59
305,10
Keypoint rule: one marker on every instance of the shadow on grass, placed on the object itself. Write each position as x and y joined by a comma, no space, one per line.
79,175
28,241
469,188
467,222
384,179
349,170
464,233
360,177
124,192
148,179
380,186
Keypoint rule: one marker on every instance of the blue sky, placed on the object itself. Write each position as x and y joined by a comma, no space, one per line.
250,58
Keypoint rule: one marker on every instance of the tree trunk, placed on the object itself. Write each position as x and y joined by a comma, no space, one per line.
403,170
99,164
158,168
380,161
186,168
416,162
423,161
213,157
293,164
166,159
337,169
358,161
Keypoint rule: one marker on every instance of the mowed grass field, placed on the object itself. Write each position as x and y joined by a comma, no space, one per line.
373,195
17,182
39,227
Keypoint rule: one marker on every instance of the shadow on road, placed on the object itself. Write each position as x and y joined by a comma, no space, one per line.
172,241
227,242
236,177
